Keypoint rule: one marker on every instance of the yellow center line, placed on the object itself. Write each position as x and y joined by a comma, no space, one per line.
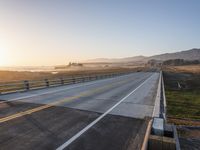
83,94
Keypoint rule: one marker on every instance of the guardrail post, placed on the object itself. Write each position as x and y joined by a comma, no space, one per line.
83,79
26,85
47,82
62,81
73,80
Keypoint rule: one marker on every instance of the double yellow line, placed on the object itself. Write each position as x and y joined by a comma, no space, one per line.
88,93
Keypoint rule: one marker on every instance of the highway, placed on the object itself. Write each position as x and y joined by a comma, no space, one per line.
109,114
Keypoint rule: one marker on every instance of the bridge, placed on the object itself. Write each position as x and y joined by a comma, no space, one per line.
101,112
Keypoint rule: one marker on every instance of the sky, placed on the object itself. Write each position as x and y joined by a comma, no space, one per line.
55,32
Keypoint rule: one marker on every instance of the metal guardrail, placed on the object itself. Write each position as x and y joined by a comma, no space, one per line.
19,86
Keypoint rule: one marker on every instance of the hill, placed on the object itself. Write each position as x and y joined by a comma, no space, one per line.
126,59
192,54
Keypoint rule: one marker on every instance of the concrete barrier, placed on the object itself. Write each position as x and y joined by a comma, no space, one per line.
161,136
19,86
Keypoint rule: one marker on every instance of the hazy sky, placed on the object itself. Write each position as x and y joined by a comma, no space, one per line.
48,32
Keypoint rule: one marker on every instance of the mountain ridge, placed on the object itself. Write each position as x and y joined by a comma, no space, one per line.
192,54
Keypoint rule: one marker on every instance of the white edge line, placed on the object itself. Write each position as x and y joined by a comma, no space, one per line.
99,118
50,92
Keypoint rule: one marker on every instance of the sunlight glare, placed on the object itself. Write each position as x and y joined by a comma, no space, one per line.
3,56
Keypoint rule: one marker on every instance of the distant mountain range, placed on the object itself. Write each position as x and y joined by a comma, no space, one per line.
126,59
192,54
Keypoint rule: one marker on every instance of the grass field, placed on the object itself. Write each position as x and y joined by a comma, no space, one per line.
182,94
184,69
183,103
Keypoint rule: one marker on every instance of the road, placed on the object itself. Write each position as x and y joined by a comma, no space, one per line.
109,114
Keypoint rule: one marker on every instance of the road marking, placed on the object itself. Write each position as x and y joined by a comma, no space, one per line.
76,136
24,113
54,91
87,93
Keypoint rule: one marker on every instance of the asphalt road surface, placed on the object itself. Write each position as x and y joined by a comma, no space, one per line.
107,114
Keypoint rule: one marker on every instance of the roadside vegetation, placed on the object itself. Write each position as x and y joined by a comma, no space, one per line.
183,103
194,69
182,85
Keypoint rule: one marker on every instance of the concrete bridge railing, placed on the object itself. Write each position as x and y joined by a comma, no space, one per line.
160,134
19,86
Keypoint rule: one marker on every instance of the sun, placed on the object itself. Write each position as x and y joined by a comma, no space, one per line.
3,57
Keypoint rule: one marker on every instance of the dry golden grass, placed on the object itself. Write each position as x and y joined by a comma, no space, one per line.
186,122
185,69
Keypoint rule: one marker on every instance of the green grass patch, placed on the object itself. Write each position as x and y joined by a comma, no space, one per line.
183,103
